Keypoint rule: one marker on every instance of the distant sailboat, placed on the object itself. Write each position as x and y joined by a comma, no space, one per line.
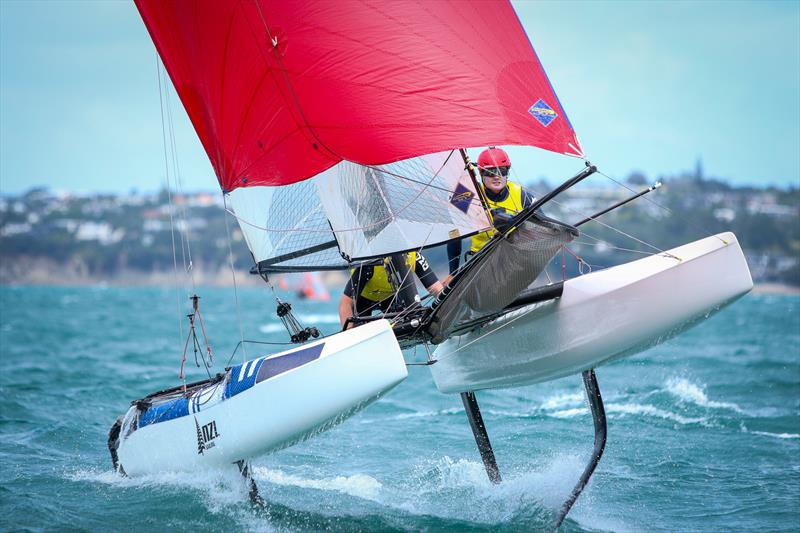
305,285
337,130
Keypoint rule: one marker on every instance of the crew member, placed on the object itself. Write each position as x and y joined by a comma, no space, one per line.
504,198
374,292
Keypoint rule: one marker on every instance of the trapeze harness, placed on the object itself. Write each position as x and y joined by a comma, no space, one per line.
513,202
376,291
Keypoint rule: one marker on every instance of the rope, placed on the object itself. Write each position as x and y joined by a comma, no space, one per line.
186,247
402,281
612,228
665,208
233,275
611,246
171,222
274,41
578,258
195,343
181,375
205,337
241,343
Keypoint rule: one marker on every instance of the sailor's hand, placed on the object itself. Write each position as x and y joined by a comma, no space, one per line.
436,288
447,279
501,219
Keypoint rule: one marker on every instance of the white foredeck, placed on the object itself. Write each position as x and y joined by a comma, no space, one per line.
600,316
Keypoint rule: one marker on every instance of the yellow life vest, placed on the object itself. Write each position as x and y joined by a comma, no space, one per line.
512,204
378,287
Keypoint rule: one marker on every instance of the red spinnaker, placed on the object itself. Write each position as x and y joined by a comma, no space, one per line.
279,90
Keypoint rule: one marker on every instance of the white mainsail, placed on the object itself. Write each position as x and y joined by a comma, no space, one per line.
361,212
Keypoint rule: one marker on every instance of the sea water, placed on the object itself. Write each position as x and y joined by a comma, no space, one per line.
703,431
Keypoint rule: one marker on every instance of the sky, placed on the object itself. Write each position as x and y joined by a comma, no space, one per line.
648,86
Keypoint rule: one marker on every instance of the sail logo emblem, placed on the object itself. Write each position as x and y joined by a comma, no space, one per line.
205,434
462,198
543,112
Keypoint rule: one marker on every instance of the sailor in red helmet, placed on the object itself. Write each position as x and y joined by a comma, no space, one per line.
504,198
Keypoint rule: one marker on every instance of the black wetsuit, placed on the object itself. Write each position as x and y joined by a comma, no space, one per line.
361,276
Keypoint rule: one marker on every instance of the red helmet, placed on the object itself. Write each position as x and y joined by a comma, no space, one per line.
493,157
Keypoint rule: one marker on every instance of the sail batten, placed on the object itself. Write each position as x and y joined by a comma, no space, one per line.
280,99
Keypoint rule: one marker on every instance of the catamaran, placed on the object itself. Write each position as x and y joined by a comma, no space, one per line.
338,133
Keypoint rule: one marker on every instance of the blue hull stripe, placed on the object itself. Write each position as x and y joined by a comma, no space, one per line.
278,365
242,377
165,411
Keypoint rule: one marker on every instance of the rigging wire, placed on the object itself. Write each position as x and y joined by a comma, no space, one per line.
665,208
233,275
186,248
609,245
612,228
580,260
640,241
247,341
173,158
403,281
171,207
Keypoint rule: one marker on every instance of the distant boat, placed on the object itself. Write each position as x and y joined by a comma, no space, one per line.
338,132
305,285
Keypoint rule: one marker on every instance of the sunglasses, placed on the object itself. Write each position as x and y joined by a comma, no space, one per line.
495,171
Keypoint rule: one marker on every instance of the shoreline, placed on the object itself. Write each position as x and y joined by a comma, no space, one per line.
331,280
776,288
219,279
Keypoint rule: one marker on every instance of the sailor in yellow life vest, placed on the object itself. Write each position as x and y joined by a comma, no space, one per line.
372,290
504,198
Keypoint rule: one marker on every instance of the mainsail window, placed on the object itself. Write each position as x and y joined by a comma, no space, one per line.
352,213
284,221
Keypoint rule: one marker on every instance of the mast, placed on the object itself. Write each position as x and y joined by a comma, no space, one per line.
471,171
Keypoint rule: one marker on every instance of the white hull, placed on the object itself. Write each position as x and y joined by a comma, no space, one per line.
599,317
328,381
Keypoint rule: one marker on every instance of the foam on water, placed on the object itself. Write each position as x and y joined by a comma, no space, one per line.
446,488
784,436
459,489
777,435
426,414
219,487
564,399
448,473
366,419
570,413
623,409
686,391
649,410
678,448
508,414
358,485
